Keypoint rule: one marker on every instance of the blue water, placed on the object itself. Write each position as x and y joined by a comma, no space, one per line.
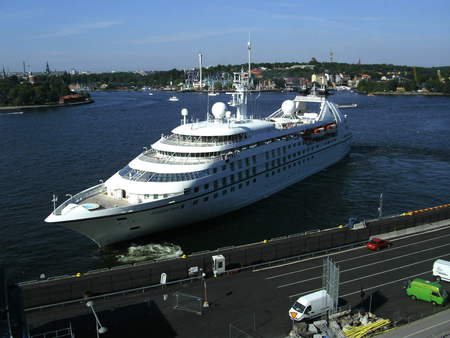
401,148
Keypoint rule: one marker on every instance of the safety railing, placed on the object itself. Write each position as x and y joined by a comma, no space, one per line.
81,196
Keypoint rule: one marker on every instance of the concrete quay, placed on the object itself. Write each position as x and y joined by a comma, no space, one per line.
255,302
261,282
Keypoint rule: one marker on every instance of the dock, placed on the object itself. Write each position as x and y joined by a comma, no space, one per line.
261,281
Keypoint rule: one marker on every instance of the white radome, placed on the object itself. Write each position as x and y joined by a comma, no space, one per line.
288,107
218,110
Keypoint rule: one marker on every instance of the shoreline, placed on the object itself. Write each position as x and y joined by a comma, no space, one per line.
37,106
407,93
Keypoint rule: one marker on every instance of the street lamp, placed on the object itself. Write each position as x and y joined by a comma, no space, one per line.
98,326
205,302
380,208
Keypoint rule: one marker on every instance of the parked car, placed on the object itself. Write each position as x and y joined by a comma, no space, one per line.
427,291
377,244
441,270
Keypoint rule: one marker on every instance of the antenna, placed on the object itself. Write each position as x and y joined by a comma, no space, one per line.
207,107
54,200
249,47
200,56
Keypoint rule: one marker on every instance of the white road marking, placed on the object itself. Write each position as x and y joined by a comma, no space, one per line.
367,288
379,262
426,329
344,260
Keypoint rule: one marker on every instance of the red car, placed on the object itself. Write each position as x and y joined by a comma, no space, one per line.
377,244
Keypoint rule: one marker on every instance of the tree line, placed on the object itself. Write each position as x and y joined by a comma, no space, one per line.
15,91
221,75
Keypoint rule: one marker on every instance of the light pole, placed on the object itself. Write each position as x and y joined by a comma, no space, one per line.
205,302
98,326
380,208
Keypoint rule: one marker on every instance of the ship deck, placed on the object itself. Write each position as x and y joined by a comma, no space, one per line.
106,202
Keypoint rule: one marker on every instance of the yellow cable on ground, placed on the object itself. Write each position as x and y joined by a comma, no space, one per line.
361,331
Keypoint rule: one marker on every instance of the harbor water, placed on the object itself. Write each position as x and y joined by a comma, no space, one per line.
401,148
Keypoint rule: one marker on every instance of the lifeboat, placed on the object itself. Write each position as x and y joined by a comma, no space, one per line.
330,126
319,130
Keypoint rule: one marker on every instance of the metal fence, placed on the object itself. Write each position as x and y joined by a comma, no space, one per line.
245,327
189,303
61,333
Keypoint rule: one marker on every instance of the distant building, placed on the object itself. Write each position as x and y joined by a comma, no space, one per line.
266,85
302,81
258,73
71,98
301,67
321,78
288,80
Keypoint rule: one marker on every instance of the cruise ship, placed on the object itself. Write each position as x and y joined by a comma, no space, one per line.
209,168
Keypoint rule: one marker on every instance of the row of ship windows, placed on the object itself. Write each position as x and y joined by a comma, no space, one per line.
196,189
225,191
232,151
291,165
232,178
208,139
246,174
145,176
277,152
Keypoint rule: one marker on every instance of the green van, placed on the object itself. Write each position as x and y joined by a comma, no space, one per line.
427,291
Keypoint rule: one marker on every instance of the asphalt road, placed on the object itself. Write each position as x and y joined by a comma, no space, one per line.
258,301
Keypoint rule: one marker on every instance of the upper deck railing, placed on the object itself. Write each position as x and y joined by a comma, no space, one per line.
81,196
155,157
194,142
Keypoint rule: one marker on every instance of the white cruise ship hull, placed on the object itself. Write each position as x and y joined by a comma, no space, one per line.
117,227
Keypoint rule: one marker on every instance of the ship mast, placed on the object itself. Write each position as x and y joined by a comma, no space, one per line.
241,83
249,47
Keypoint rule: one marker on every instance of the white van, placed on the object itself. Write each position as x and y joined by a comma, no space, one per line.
312,305
441,270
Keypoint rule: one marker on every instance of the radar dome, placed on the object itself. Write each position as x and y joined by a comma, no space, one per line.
288,107
184,112
218,110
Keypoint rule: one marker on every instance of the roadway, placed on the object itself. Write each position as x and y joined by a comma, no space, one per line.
261,298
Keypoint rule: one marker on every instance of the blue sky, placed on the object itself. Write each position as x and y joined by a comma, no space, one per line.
110,35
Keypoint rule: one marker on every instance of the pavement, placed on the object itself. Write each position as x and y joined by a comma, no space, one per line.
257,302
437,325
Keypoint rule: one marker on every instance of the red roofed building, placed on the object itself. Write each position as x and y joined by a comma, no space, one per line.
71,98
